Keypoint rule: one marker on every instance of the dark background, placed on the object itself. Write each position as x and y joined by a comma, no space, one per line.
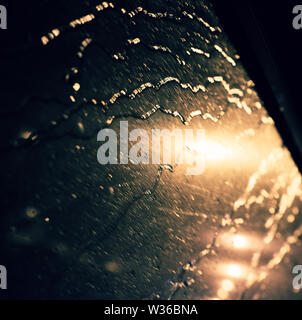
271,50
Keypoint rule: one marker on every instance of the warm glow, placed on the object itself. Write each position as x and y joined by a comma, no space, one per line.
227,285
76,87
239,241
222,294
210,150
25,134
234,270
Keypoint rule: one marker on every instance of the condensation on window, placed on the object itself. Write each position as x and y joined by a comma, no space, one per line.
83,230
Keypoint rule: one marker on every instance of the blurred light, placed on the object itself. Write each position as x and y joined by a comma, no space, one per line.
239,241
76,87
31,212
227,285
112,266
234,270
222,294
25,134
210,150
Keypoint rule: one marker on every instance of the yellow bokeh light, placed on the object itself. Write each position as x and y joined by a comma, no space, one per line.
227,285
222,294
76,87
239,241
233,270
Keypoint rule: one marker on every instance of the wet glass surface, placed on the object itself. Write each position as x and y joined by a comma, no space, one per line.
72,228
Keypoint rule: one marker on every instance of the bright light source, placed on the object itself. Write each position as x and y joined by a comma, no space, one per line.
210,150
234,270
239,241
